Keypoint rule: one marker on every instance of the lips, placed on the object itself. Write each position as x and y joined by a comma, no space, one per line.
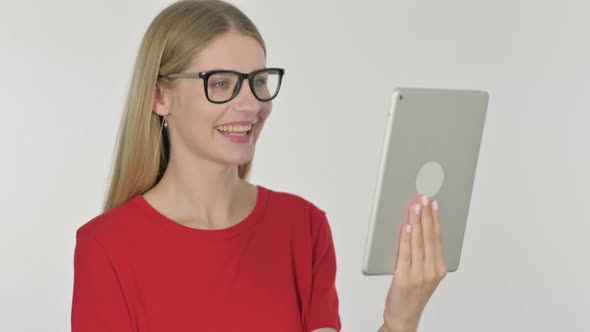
240,138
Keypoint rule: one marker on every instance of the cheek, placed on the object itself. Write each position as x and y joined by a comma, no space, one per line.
265,112
198,120
263,116
191,100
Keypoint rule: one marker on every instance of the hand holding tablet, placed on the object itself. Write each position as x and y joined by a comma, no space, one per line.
419,268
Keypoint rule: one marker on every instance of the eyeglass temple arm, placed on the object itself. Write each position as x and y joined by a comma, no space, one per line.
182,75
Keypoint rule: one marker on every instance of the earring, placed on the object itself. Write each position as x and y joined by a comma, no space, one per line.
165,122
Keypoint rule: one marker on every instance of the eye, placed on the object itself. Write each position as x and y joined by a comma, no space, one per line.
260,81
220,84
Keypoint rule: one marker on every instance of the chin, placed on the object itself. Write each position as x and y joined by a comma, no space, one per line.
239,161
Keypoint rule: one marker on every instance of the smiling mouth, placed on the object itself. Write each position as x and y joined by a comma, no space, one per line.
237,133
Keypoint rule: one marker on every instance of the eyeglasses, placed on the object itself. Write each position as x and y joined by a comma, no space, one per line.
222,86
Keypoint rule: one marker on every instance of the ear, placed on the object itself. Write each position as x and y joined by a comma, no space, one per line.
161,102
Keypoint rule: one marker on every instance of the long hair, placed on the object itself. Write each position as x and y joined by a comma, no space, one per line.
175,36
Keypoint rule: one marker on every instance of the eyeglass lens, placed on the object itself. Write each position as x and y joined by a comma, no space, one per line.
221,86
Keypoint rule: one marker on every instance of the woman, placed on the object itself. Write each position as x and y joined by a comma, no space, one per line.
184,242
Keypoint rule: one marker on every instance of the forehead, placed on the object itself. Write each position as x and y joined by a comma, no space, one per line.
233,51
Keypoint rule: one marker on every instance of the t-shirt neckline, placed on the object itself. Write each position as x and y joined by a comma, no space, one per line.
205,234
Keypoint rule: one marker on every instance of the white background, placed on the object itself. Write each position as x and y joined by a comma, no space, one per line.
66,67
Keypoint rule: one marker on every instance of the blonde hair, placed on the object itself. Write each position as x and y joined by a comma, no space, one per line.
172,40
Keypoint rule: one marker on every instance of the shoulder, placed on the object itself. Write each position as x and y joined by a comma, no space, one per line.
296,208
309,228
112,225
292,201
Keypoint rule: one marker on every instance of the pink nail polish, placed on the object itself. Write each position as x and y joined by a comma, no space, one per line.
417,208
424,200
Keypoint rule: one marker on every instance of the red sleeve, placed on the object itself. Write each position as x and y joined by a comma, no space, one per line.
98,303
324,298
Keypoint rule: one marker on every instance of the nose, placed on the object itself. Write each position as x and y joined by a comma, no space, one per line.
245,100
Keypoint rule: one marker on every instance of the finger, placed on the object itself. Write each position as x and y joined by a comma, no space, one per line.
427,231
416,241
438,241
404,255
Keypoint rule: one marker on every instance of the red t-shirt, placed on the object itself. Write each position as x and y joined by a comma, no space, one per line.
137,270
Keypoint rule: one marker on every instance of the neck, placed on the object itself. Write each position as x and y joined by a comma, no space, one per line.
201,192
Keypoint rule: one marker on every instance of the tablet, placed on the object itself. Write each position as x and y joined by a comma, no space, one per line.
431,146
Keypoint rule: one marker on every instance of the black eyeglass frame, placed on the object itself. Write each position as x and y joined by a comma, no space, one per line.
242,76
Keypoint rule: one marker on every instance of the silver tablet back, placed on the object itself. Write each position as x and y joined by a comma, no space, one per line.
431,146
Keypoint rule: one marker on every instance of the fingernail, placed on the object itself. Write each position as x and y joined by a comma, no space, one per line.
424,200
435,205
417,208
408,228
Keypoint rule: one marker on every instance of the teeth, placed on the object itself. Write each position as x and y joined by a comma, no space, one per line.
234,128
